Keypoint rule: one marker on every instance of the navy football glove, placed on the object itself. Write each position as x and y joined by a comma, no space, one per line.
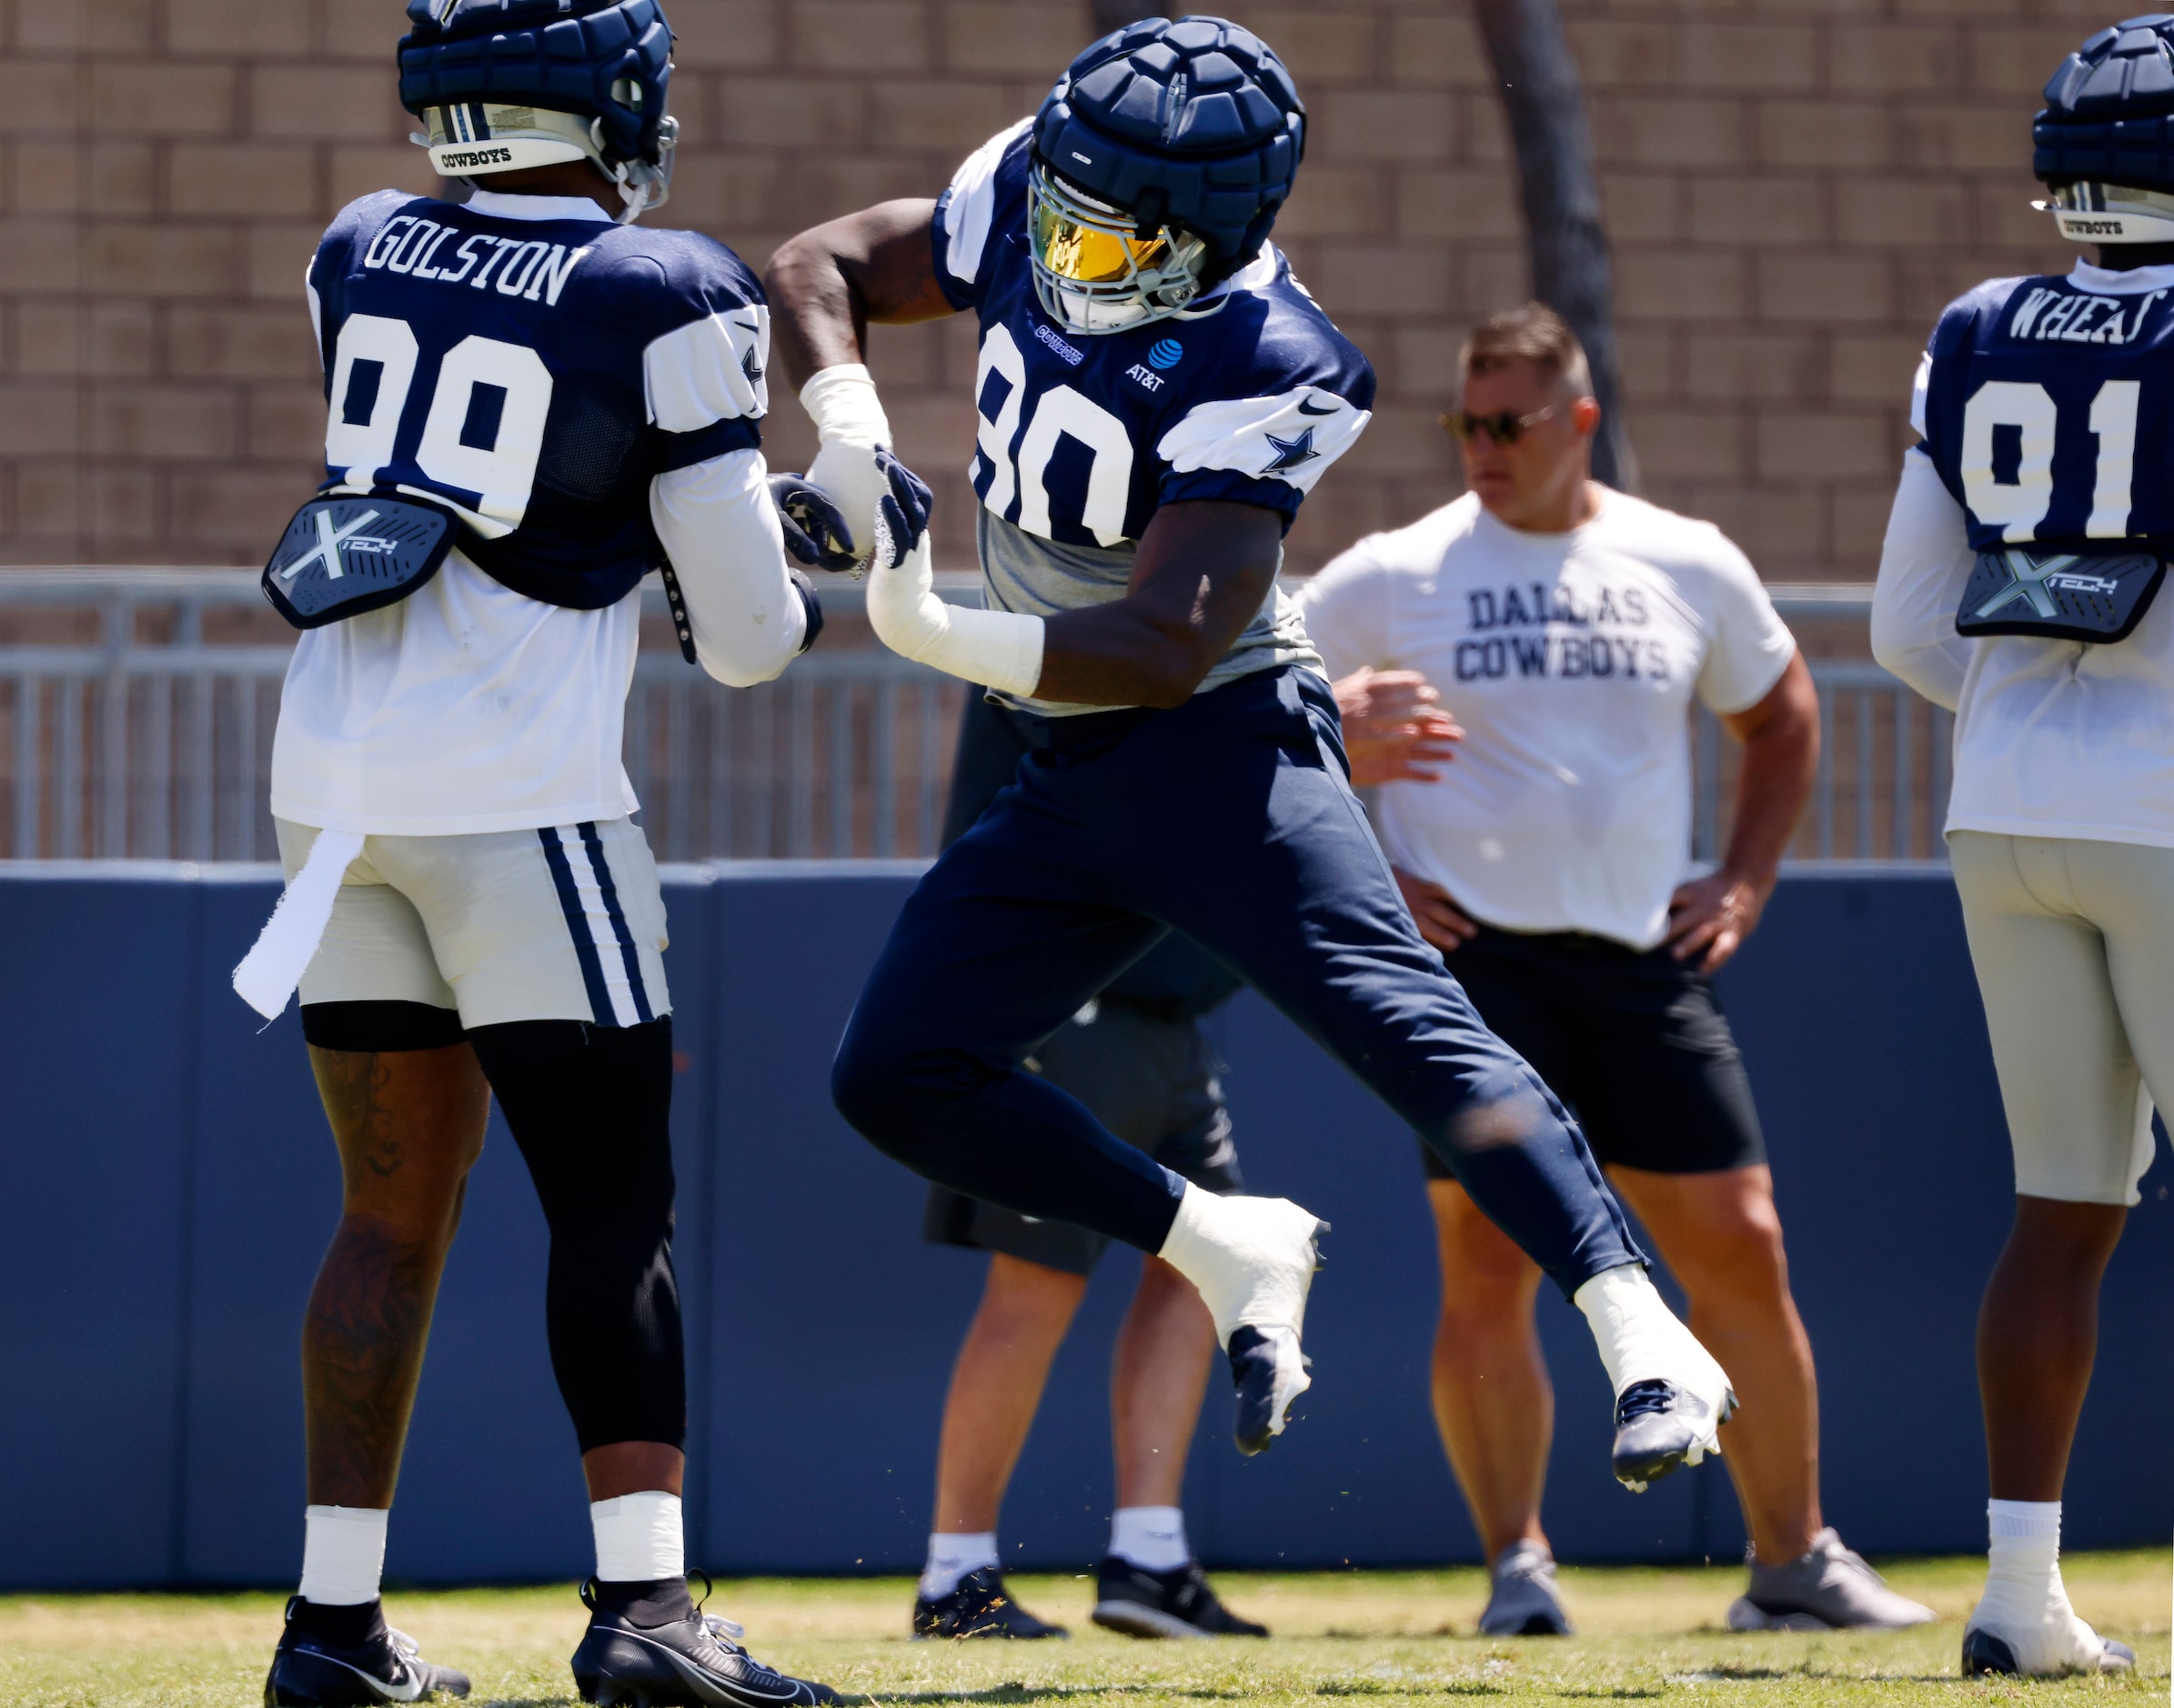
815,528
902,513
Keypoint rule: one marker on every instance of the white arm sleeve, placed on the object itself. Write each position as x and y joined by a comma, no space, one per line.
721,532
1923,564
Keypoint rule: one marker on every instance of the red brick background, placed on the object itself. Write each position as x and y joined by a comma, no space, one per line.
1794,189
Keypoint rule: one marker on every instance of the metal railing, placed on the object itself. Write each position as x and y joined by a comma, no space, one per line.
136,711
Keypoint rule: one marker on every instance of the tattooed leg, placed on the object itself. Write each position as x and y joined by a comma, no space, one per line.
409,1126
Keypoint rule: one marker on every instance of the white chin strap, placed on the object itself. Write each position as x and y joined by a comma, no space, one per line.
2108,212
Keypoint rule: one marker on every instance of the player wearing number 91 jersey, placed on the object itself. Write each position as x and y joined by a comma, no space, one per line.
2020,586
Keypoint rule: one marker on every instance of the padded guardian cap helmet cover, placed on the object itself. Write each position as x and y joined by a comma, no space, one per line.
2105,141
1161,159
506,84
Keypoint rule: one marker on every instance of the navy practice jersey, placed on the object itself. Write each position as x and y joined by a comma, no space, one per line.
534,377
2048,412
1082,438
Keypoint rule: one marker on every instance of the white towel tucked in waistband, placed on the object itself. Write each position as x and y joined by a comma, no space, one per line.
288,942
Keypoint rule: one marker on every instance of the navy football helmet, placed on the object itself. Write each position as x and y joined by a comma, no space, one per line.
2104,145
506,84
1161,161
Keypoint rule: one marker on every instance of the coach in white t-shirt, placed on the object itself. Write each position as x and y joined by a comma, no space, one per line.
1566,627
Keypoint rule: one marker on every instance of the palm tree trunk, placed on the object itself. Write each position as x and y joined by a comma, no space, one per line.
1536,75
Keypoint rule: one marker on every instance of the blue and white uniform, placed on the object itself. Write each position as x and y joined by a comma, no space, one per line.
2046,411
1228,818
588,398
1082,439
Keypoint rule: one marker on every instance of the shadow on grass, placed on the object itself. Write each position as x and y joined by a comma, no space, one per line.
1015,1692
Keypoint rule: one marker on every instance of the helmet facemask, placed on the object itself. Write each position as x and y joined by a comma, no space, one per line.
2110,213
1094,272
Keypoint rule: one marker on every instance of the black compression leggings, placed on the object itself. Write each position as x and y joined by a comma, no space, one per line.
589,1107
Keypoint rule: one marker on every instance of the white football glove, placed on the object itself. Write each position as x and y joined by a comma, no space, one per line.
849,419
999,650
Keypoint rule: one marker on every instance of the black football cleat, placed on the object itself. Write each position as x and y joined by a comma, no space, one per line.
1142,1603
348,1657
978,1606
648,1645
1660,1426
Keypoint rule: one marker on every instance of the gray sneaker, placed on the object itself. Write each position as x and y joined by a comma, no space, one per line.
1524,1603
1829,1589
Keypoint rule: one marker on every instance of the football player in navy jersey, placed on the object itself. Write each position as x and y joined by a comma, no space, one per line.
1157,394
2021,587
578,399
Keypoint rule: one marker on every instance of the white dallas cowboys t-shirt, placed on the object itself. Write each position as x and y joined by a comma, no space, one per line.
1570,659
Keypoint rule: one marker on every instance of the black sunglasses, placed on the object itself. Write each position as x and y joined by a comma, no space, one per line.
1502,427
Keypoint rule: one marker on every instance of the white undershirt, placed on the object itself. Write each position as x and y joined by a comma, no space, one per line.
1570,659
471,707
2052,738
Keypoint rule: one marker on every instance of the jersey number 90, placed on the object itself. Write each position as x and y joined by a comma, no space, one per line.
2017,507
483,432
1012,469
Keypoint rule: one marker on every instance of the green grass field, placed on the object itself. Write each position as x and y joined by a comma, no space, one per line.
1646,1634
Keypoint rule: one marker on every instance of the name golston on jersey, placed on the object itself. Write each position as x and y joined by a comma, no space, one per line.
2048,410
533,376
1082,439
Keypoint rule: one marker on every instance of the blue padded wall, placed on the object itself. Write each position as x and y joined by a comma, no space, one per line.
170,1186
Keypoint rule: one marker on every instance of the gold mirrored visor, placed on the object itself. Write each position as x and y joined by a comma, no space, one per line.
1093,255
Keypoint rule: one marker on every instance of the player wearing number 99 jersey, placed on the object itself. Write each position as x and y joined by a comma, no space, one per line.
471,911
2021,587
1156,395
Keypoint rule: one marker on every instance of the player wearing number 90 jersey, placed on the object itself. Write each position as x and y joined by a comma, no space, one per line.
1156,395
1086,431
2021,587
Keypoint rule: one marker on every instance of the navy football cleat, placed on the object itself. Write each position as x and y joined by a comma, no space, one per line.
979,1605
1660,1426
1179,1603
691,1660
317,1666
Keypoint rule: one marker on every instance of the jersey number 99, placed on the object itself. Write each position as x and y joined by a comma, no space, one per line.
484,430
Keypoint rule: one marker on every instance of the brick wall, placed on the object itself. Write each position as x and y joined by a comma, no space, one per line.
1794,189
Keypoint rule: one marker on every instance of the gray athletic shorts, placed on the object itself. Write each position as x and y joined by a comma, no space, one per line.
2073,940
1156,1083
562,923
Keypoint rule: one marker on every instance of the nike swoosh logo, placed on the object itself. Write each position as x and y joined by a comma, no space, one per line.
701,1678
410,1689
1305,409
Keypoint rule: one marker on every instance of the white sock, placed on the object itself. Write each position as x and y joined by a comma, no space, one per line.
2023,1570
343,1554
1638,1336
951,1555
1150,1537
638,1537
